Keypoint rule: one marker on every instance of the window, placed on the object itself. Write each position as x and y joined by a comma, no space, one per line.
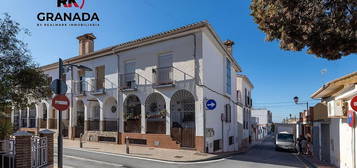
100,76
165,61
239,96
231,140
245,96
228,112
217,145
228,76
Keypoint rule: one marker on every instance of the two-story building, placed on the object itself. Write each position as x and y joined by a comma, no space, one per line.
264,121
244,107
150,90
340,136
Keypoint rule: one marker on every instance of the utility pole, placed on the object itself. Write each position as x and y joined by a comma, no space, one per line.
59,138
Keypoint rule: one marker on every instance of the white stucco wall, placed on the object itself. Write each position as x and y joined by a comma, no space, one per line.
215,79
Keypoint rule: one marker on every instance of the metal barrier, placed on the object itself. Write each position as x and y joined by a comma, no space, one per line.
39,151
7,153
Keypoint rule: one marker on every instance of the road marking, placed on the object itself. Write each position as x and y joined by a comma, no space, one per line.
64,166
91,160
148,159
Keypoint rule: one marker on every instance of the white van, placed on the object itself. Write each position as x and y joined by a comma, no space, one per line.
285,140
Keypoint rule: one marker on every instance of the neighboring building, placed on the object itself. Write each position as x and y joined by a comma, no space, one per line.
292,120
320,132
337,134
244,107
264,121
151,90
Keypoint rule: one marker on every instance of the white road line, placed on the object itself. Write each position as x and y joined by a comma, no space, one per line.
64,166
148,159
95,161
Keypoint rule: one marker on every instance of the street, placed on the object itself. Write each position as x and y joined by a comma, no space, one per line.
261,155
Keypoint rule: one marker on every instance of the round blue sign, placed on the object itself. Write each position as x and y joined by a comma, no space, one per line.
211,104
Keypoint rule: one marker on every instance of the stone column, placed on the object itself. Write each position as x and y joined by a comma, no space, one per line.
49,115
101,117
143,119
50,136
86,116
23,149
28,117
20,118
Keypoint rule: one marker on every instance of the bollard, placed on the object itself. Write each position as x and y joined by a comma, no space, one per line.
80,141
127,144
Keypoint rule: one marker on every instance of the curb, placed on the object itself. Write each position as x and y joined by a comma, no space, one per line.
155,159
217,157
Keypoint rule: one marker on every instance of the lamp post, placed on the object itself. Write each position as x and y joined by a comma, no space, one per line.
70,67
58,91
296,100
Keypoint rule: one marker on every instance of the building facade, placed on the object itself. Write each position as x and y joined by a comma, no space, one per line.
264,121
244,107
337,95
151,91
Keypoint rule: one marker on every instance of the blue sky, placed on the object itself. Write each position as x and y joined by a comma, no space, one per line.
277,75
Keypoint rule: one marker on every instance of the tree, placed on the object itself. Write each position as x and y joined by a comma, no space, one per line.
21,80
327,28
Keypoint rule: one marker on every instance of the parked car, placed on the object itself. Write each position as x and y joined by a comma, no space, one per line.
285,141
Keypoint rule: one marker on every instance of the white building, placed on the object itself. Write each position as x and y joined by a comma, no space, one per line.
152,90
341,138
264,121
244,107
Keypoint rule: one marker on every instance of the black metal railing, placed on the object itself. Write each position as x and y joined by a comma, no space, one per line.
129,81
80,87
163,76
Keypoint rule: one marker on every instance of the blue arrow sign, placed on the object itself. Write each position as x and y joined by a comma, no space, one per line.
211,104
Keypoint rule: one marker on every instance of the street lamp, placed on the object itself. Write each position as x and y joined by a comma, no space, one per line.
296,101
58,91
70,67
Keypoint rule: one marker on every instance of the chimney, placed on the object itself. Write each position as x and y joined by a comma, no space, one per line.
229,45
86,44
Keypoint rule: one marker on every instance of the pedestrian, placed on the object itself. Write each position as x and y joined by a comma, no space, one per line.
299,146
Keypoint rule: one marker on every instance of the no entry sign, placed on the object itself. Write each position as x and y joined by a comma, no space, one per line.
354,103
60,102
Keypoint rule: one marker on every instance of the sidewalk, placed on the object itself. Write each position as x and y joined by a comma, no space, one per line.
146,152
312,162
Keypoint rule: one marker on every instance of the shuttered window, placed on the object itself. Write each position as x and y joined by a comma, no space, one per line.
100,75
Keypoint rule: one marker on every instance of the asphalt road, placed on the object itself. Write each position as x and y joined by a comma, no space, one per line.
261,155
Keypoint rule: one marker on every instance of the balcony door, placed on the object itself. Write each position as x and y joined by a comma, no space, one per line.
129,74
165,69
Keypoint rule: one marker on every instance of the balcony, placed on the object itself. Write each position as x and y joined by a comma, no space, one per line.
163,77
80,88
97,86
129,81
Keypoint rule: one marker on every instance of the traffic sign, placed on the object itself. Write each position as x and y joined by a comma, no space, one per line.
211,104
63,89
354,103
351,118
60,102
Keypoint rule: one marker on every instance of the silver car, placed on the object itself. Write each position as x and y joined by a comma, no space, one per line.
285,141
